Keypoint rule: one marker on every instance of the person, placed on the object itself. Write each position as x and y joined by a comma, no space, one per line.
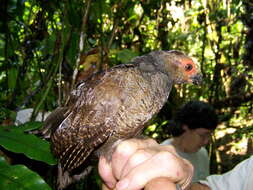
135,162
194,123
138,164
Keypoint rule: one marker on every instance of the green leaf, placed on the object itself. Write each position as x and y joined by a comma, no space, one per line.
15,139
28,126
19,177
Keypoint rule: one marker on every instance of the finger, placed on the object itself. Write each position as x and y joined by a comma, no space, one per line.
163,164
182,163
139,157
143,155
104,187
105,171
169,148
160,183
187,179
125,150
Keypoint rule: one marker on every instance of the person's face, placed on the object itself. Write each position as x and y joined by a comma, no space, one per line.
197,138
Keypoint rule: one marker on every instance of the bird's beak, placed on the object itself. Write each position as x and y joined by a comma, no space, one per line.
197,79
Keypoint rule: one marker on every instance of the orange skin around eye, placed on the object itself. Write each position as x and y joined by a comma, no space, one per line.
194,68
190,69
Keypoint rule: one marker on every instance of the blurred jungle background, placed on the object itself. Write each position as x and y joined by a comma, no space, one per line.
47,47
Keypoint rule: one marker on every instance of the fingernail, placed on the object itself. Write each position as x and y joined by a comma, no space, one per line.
110,185
122,185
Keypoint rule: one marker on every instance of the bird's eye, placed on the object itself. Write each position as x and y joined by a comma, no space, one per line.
188,67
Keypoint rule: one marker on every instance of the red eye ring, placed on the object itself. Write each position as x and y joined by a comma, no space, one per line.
188,67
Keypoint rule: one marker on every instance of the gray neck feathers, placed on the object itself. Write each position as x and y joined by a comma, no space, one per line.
152,68
151,62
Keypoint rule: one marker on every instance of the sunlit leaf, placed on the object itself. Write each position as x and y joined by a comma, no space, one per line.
19,177
16,139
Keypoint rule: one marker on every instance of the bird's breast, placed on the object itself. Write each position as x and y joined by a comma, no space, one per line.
144,97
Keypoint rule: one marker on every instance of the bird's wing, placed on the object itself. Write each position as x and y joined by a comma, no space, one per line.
116,104
85,128
79,144
145,94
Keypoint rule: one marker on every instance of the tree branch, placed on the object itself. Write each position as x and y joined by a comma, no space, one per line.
81,42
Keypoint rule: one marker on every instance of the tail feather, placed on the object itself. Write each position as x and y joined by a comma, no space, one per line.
51,123
64,178
75,157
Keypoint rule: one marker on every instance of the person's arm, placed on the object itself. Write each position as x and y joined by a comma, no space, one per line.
237,178
135,163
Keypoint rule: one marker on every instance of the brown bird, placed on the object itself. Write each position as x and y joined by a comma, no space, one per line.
116,104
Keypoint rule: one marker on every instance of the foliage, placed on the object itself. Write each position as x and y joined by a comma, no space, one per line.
19,177
46,47
16,139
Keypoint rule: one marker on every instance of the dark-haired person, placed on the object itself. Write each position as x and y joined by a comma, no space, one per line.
194,123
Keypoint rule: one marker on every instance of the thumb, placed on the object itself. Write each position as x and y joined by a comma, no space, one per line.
105,171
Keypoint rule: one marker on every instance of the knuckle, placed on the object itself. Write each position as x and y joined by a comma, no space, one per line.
165,155
188,165
167,160
125,147
140,155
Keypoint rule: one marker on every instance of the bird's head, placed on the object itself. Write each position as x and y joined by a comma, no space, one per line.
180,67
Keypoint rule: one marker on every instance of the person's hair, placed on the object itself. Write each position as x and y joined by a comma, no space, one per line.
194,114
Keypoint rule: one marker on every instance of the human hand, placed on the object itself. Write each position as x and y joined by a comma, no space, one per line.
136,164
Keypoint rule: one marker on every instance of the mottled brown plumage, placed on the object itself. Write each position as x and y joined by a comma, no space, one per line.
115,105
